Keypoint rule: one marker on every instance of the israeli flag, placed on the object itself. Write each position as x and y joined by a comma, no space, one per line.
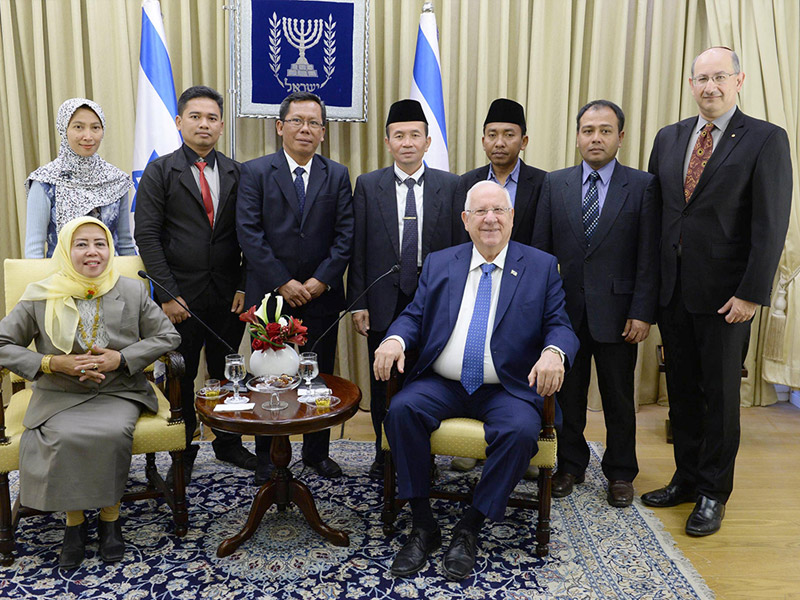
426,87
156,107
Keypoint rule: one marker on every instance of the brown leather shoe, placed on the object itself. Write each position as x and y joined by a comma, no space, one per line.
563,483
620,493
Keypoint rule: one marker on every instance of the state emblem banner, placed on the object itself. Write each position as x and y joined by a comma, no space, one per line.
286,46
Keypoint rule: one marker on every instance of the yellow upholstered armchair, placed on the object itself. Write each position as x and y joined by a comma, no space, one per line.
159,432
465,437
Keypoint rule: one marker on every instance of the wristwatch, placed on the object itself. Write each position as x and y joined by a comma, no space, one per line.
122,362
555,350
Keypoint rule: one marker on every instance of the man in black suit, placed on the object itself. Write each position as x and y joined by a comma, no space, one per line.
724,223
186,233
295,223
402,213
504,137
600,219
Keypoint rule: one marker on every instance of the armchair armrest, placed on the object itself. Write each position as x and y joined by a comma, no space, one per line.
548,418
176,367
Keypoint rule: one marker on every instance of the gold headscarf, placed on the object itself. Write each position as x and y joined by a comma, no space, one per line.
60,289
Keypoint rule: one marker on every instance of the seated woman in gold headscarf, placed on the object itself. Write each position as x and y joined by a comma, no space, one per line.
95,332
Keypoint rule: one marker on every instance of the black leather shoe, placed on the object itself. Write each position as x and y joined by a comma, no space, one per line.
620,493
238,456
188,464
263,474
414,553
669,495
112,546
376,471
563,483
327,467
706,518
460,556
73,550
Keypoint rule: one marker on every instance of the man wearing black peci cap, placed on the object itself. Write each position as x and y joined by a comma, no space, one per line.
402,213
504,137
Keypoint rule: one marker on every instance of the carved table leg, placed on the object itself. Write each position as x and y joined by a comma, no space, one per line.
302,497
263,500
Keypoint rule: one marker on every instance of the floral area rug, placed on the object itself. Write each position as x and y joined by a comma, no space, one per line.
596,551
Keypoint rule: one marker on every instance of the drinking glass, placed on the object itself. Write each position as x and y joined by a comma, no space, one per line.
235,372
309,367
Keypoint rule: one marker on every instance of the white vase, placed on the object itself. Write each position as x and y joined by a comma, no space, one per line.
274,362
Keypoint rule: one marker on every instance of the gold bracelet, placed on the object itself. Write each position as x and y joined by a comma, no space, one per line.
46,364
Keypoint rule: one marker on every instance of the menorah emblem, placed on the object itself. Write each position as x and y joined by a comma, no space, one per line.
302,34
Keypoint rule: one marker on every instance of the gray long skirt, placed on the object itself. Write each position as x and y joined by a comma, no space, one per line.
80,457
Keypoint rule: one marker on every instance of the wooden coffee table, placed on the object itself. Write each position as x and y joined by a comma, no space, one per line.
283,489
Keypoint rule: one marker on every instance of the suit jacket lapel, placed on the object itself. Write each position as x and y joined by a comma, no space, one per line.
431,207
523,196
226,180
387,205
680,149
318,175
284,179
733,135
457,281
113,305
186,177
573,203
615,199
512,273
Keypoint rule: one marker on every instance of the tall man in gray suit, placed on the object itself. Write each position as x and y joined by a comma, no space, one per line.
600,219
402,213
726,189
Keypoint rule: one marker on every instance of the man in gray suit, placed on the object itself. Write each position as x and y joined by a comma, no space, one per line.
402,213
600,219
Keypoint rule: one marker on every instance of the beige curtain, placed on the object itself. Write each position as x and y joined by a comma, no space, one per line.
551,55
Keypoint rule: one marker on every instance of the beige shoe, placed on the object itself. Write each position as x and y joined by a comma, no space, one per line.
532,474
462,464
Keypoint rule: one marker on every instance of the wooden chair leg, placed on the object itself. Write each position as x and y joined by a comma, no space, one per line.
389,509
6,527
543,524
178,505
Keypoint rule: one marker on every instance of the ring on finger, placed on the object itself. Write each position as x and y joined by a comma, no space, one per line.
95,366
83,371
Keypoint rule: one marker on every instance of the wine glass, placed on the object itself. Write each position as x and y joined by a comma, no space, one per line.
309,367
235,372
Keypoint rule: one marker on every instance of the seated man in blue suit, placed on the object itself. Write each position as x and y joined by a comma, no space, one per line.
514,293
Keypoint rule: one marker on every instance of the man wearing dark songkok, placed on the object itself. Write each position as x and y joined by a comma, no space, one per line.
402,213
504,137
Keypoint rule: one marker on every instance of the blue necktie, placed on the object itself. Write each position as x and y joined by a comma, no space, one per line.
591,206
300,187
472,366
408,249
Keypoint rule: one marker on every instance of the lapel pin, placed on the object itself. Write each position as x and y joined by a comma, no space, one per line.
733,135
513,272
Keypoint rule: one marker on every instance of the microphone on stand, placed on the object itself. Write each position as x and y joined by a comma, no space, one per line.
394,269
144,275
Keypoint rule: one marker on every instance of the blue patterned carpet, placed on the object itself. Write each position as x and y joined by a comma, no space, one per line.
596,551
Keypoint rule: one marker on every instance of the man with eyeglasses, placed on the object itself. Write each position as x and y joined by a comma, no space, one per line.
726,185
295,224
402,213
600,220
484,311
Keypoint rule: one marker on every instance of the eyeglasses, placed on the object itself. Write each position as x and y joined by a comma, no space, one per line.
296,123
482,212
718,79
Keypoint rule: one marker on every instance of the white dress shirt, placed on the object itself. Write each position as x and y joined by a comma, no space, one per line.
293,164
212,177
401,191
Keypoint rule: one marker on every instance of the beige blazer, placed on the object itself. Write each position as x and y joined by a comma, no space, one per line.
136,326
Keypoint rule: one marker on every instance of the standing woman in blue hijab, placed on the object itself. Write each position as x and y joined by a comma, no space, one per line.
78,183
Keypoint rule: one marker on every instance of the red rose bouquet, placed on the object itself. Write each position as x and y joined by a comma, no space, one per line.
273,334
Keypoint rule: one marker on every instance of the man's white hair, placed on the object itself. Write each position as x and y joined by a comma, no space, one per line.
483,184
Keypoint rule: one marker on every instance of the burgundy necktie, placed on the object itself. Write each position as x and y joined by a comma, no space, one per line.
697,162
205,192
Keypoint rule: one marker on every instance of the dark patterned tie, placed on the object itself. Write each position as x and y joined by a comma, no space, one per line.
472,364
591,206
697,162
300,187
205,192
408,249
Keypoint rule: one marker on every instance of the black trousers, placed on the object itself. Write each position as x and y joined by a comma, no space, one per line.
704,356
377,389
315,445
216,312
615,365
